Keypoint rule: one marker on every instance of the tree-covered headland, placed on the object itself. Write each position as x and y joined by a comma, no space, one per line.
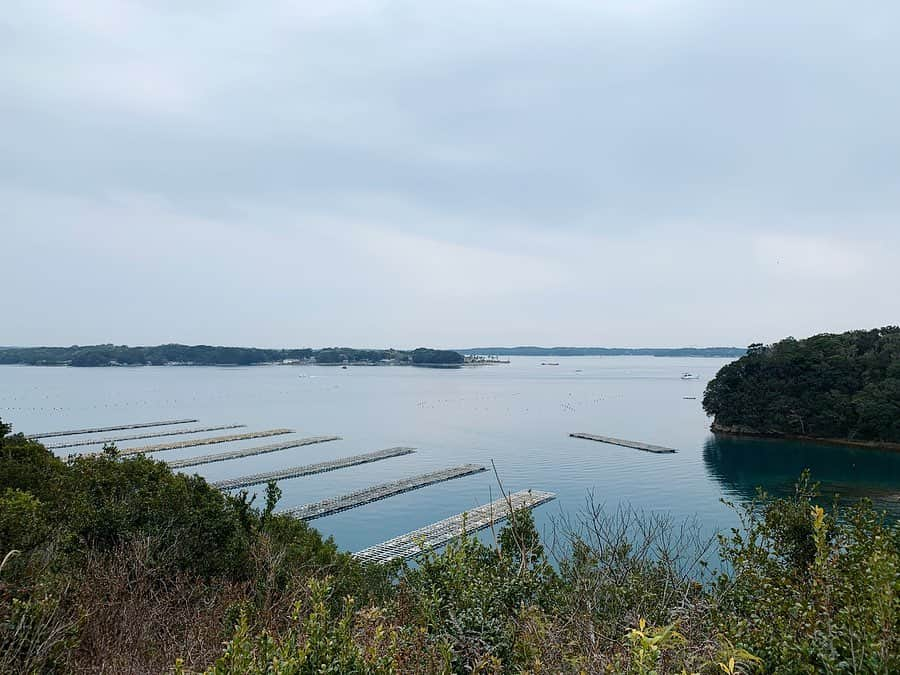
833,386
117,564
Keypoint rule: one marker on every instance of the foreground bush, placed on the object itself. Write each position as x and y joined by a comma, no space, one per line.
813,592
118,565
121,561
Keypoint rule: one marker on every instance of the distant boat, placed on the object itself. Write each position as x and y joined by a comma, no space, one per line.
689,376
549,363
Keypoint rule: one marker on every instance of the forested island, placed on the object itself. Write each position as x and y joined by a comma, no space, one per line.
720,352
840,387
206,355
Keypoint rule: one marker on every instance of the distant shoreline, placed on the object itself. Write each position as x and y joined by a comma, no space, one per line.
355,364
739,432
709,352
110,355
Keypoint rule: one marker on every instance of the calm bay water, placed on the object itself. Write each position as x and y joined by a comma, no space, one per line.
518,415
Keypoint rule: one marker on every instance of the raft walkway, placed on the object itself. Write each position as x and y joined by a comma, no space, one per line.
327,507
180,432
310,469
438,534
637,445
248,452
97,430
204,441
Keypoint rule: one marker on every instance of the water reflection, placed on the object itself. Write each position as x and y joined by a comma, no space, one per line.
742,464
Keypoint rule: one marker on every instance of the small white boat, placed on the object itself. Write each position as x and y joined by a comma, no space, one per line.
689,376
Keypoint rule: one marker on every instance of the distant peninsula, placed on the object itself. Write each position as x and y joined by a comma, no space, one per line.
842,388
206,355
721,352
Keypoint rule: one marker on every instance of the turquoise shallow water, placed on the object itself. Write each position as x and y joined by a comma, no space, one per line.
518,415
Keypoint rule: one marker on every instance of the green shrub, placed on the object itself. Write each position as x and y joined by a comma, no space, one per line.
316,642
23,523
813,592
36,632
98,502
469,596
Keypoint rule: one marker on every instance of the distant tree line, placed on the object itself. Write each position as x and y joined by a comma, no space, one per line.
106,355
347,355
842,386
205,355
722,352
435,357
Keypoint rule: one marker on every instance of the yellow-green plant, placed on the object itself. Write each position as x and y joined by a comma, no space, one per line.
318,644
811,590
736,661
649,643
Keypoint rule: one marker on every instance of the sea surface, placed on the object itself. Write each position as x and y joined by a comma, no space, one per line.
517,415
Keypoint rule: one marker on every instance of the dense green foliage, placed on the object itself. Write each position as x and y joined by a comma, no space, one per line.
346,355
67,518
99,502
119,565
434,357
843,386
204,355
813,592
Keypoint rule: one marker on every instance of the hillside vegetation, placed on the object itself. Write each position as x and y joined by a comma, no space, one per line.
836,386
117,565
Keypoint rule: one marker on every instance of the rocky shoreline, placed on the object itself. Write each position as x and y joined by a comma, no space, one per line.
739,430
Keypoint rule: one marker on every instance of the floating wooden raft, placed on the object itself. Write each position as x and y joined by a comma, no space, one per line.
310,469
646,447
326,507
97,430
180,432
248,452
204,441
438,534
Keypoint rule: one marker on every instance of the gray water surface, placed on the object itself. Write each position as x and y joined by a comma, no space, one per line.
518,415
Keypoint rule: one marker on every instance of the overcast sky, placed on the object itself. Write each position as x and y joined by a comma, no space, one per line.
613,172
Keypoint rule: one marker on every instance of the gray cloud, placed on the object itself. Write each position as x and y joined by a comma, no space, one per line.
652,172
